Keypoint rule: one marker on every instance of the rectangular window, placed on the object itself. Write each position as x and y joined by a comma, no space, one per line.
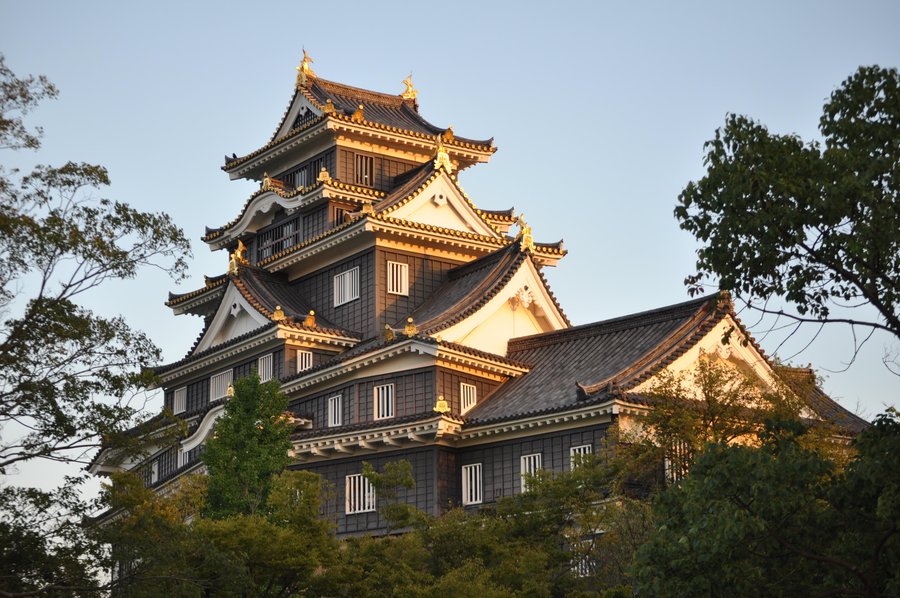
304,361
530,464
346,286
398,278
339,214
335,417
471,484
468,395
360,495
264,368
179,404
154,472
218,385
364,170
384,401
577,454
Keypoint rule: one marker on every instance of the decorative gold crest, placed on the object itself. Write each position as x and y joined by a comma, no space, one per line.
410,328
358,116
278,314
442,406
310,320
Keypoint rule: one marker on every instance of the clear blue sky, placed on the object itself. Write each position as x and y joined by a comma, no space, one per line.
600,111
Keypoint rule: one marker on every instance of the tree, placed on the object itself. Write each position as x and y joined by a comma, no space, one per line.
819,228
779,519
68,376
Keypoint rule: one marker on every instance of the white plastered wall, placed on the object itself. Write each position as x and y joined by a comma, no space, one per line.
441,204
234,317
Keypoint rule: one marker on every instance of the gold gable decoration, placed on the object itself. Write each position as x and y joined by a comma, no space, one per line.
526,241
441,406
237,259
409,93
441,156
410,329
304,71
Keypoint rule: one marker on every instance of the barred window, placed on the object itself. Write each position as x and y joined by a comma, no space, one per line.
530,464
471,484
360,495
577,454
468,394
304,360
398,278
264,368
384,401
179,404
335,408
364,170
346,286
218,385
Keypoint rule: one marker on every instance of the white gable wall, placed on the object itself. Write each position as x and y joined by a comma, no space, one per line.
442,204
234,317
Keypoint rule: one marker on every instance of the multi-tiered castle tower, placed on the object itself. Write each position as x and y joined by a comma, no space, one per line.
404,322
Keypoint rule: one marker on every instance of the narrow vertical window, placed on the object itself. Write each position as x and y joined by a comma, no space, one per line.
384,401
346,286
530,464
218,385
264,368
335,409
364,168
468,395
471,484
577,454
304,360
360,495
398,278
154,472
179,404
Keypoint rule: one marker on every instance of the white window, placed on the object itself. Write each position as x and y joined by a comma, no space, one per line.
530,464
218,385
154,472
468,395
179,402
335,417
360,495
346,286
471,484
384,401
264,368
304,361
582,563
398,278
577,454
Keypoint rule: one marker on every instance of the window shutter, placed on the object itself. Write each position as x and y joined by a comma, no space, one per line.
346,286
180,402
384,401
398,278
304,360
218,385
360,495
264,368
468,394
471,483
335,409
530,464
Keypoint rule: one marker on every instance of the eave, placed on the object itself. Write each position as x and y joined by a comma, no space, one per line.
190,302
253,164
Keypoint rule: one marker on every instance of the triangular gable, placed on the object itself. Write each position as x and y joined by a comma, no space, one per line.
521,307
300,107
234,317
442,203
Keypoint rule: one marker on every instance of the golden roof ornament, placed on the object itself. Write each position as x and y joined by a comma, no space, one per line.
388,333
526,241
447,136
441,157
310,320
304,71
358,116
323,177
328,108
410,328
230,392
237,259
278,314
266,182
367,208
409,93
442,406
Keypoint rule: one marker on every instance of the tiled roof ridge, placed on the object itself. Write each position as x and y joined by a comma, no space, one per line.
292,133
483,354
211,282
392,100
505,215
210,350
616,324
592,400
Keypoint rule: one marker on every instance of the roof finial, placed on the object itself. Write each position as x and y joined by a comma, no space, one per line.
441,157
304,71
278,314
358,116
388,333
310,320
409,93
441,406
410,329
328,108
323,177
526,241
447,136
237,259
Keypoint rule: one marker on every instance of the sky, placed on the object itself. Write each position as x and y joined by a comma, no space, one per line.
599,110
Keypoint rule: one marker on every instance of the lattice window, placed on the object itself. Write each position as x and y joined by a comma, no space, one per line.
471,484
304,361
179,403
360,495
365,168
398,278
677,460
335,411
578,454
346,286
218,385
384,401
468,394
264,368
154,472
530,464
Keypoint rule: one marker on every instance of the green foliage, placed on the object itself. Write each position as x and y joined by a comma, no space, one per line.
780,520
250,446
778,217
396,475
